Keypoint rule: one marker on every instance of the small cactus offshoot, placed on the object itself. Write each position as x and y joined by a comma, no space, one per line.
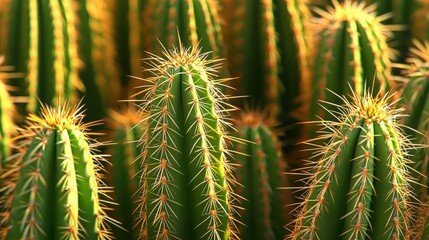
56,179
186,192
359,186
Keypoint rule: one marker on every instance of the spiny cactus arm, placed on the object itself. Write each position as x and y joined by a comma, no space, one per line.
329,186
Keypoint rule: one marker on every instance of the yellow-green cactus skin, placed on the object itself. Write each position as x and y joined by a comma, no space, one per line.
57,186
187,175
359,186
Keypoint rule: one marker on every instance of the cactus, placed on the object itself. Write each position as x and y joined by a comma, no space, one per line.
187,176
43,45
260,176
275,43
360,186
421,229
415,98
197,23
126,170
352,49
57,191
96,44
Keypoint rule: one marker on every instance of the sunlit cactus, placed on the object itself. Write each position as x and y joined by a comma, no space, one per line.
56,180
359,186
186,192
351,50
126,169
261,174
415,98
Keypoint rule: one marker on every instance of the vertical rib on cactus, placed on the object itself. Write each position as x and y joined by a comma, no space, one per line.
186,181
58,185
100,74
197,21
262,166
352,49
126,169
359,185
4,18
43,45
275,42
415,98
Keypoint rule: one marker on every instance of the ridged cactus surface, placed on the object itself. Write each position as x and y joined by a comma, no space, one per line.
359,187
269,45
126,169
415,98
260,176
57,187
351,50
186,181
42,44
194,22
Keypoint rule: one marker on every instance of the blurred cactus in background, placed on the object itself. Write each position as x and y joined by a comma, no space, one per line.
58,187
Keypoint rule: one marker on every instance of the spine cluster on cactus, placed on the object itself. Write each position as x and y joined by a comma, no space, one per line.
187,175
197,22
359,187
260,176
415,98
352,49
56,178
127,128
43,46
275,48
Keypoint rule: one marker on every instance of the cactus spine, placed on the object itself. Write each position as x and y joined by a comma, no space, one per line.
260,178
415,98
359,187
186,181
57,192
43,45
352,49
126,169
197,21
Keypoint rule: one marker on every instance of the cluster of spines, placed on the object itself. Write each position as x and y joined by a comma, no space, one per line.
55,182
186,191
352,48
194,22
260,172
48,55
126,170
360,184
415,98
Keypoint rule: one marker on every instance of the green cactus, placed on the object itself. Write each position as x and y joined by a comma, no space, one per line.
43,46
100,74
58,187
359,187
187,176
415,98
126,169
352,49
193,22
274,39
260,177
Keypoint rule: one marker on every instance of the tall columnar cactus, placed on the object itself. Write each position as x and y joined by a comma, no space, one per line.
275,42
352,50
97,49
57,191
260,177
187,175
43,46
126,171
415,98
359,187
421,229
4,15
194,22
